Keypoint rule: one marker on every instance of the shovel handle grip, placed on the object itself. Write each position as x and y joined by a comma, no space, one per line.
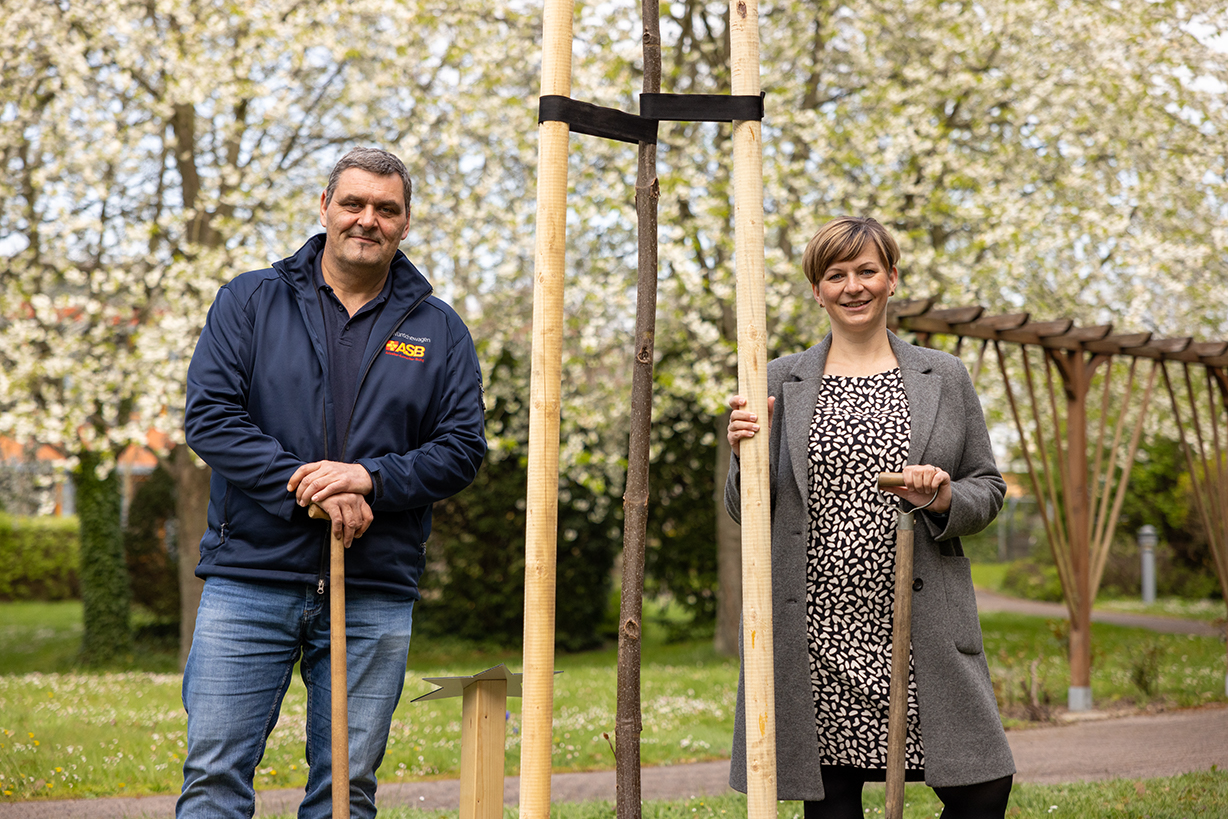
886,479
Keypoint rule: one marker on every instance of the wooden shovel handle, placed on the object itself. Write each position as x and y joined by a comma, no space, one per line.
901,650
886,479
340,709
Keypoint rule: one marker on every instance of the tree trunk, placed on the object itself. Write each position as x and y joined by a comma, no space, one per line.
105,593
728,556
191,511
628,725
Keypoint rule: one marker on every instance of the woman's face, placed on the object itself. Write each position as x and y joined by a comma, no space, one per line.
854,292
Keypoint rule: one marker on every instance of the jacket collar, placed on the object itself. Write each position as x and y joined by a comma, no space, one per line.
408,285
800,393
409,289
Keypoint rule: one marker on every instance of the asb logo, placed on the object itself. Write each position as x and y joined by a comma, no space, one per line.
413,352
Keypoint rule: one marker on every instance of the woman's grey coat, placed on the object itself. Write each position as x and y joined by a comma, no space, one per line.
960,727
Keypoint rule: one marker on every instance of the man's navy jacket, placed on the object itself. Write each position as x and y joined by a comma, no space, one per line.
259,407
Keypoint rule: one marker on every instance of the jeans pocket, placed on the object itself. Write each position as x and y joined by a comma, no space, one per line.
964,624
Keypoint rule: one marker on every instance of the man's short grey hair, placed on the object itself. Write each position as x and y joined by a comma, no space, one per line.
371,160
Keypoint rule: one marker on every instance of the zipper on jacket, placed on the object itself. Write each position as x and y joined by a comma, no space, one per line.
324,552
225,514
322,575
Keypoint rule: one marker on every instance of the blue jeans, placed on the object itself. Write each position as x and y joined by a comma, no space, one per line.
248,638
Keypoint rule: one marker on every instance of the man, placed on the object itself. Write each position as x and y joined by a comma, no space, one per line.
335,378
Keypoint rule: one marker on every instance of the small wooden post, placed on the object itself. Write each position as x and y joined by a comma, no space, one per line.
483,735
482,749
542,498
757,644
1076,377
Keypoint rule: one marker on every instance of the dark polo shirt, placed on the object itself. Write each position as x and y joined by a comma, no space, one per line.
345,337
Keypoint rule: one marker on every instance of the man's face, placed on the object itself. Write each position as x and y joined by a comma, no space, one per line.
364,223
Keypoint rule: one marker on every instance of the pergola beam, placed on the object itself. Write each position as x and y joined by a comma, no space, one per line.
1086,495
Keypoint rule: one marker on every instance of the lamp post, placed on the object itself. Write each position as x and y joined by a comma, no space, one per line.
1147,540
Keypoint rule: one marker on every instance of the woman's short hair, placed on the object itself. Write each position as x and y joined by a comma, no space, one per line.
374,161
843,239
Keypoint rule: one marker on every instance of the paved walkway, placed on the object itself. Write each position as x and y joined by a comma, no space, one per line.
1094,747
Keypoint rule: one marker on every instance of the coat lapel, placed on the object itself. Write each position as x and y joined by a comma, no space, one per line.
799,394
922,387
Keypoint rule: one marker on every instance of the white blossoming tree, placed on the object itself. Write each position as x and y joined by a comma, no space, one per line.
1066,159
154,151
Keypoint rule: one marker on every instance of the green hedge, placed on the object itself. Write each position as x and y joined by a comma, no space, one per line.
38,558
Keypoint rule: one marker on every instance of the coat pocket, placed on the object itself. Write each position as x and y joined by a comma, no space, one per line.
963,624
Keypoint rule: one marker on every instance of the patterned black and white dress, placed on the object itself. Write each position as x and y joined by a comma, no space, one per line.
860,428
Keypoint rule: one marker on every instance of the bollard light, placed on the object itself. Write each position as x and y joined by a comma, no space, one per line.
1147,540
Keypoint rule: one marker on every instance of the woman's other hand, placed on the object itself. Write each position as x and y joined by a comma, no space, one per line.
743,423
921,481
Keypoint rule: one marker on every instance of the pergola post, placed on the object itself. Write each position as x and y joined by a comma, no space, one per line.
1076,378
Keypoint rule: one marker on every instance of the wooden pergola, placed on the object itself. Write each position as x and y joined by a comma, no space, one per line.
1079,428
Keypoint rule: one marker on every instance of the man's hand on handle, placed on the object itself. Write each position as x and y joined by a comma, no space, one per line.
339,490
312,483
350,516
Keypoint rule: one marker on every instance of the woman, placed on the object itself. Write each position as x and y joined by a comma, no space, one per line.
859,403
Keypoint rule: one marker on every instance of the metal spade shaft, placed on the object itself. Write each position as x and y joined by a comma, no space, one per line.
340,711
901,648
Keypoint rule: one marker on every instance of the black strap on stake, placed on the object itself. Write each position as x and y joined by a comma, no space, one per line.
610,123
701,107
586,118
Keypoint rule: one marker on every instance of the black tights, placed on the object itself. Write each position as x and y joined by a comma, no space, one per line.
842,791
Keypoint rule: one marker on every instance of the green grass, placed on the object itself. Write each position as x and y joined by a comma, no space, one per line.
75,734
67,733
45,638
1029,653
39,637
1206,610
1180,797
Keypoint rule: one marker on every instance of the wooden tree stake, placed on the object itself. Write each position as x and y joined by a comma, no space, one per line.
757,646
542,499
